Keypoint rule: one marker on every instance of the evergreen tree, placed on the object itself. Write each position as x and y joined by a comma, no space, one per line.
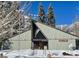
41,14
51,19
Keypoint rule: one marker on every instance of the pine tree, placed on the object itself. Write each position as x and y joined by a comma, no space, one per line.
51,19
41,14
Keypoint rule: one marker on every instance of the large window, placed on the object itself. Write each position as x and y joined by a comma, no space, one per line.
77,43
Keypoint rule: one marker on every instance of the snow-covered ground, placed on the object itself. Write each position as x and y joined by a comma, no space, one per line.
37,53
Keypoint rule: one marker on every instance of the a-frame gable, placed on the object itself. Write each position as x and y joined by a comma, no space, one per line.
36,33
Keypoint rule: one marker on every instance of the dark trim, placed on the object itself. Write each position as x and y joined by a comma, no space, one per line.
57,29
40,40
31,34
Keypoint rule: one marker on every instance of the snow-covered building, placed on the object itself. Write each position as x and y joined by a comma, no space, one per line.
42,36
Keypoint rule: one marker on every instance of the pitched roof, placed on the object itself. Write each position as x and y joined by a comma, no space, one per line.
52,32
23,37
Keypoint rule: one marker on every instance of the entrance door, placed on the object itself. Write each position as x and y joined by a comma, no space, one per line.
40,45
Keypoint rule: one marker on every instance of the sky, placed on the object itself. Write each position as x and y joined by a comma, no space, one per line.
65,12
